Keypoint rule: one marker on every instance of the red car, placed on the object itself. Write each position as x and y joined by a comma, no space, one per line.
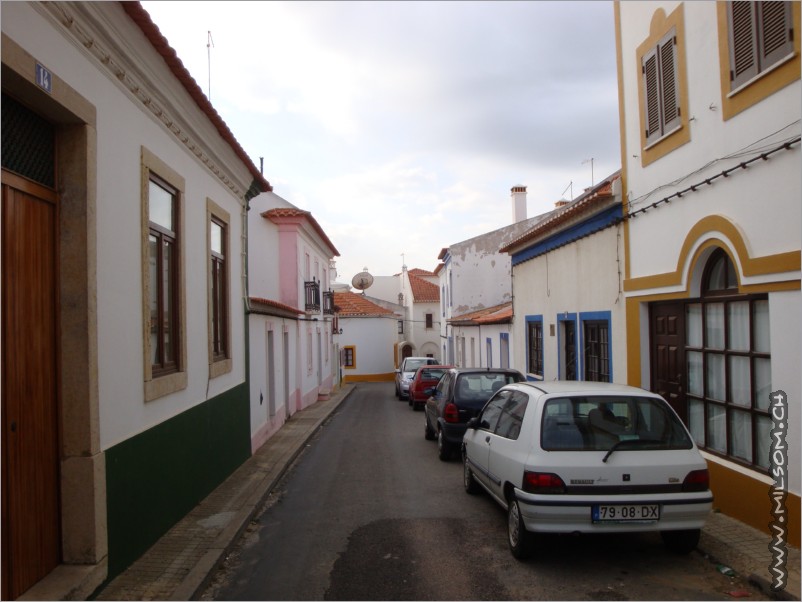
426,377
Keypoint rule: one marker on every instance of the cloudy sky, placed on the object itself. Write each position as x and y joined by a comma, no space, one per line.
402,126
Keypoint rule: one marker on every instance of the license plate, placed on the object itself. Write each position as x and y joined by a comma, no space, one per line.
625,513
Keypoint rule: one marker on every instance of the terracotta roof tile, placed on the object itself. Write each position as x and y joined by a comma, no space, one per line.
350,304
269,303
498,314
141,17
587,202
282,213
423,291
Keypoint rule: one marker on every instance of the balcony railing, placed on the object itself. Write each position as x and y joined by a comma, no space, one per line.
312,295
328,303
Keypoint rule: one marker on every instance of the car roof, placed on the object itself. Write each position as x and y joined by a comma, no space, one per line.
484,370
567,387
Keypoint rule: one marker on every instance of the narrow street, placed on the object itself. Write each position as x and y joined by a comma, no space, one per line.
368,512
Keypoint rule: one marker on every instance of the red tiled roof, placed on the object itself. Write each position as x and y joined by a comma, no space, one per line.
269,303
587,202
423,291
420,272
352,304
498,314
278,214
141,17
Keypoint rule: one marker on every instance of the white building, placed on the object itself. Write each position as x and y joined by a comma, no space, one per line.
421,328
483,337
125,197
476,275
567,291
293,359
711,177
369,337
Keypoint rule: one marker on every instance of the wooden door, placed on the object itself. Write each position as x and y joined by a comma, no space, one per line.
30,466
667,327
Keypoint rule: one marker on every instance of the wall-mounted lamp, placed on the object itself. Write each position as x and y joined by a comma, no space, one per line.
340,331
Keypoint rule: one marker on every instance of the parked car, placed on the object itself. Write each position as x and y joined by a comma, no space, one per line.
405,372
459,396
426,377
589,458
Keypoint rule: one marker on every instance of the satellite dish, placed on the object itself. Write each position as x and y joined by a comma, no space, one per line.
362,280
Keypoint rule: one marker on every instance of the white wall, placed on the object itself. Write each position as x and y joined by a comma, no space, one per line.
373,339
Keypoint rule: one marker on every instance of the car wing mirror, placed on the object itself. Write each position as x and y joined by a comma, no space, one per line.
474,423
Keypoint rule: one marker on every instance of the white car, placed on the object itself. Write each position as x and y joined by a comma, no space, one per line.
406,372
567,457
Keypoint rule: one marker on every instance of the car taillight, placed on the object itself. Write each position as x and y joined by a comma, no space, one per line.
697,480
451,413
542,482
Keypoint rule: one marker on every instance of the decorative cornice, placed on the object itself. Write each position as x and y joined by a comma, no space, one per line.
64,14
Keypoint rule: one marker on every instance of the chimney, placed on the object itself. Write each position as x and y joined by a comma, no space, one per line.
518,204
561,203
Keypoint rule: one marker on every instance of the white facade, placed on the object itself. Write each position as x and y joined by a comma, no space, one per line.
128,122
293,353
721,187
475,274
372,339
567,288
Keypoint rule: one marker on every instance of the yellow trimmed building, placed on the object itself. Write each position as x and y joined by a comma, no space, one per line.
710,113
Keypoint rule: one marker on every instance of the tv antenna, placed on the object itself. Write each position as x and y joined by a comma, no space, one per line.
591,169
209,46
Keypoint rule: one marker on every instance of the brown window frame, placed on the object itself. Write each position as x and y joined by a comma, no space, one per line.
219,292
597,351
161,364
534,342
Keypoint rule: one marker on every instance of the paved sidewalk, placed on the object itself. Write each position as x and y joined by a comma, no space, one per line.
179,565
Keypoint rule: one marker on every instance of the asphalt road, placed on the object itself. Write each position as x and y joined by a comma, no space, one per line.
368,512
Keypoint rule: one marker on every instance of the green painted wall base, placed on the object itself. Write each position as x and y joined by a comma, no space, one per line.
155,478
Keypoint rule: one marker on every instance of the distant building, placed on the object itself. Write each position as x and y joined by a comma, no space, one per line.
293,358
483,337
368,338
567,291
475,275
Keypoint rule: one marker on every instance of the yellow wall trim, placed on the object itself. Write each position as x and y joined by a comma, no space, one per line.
747,500
750,266
369,378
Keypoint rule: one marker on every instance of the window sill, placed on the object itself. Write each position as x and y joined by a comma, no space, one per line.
761,75
164,385
220,367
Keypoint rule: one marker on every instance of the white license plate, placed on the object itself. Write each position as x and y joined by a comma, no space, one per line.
625,513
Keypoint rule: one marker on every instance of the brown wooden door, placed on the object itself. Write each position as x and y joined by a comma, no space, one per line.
667,327
30,466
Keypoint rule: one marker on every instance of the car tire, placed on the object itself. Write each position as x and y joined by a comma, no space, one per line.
518,538
468,480
428,433
444,449
681,542
410,403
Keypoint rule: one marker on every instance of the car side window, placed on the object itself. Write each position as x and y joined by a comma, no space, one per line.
512,415
491,412
442,386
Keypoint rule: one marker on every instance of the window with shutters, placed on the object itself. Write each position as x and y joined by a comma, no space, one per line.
662,86
659,72
761,34
758,51
219,275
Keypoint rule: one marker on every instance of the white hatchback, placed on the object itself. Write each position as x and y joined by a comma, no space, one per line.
569,457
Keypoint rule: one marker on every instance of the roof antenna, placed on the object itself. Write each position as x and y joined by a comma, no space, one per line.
586,161
209,46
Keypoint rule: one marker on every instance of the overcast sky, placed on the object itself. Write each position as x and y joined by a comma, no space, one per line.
402,126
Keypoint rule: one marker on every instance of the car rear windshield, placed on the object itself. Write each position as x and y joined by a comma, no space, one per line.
598,423
413,365
432,374
481,386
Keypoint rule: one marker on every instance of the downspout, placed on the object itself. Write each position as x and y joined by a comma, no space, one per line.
253,191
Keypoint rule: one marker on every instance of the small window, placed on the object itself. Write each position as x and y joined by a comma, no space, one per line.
761,34
429,321
597,351
349,357
400,327
534,336
719,277
661,88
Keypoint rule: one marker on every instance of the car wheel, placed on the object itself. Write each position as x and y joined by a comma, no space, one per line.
517,535
428,433
681,542
443,447
409,402
468,480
